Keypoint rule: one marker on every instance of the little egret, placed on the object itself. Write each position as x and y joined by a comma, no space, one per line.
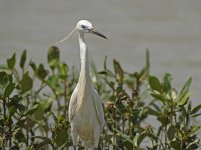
85,111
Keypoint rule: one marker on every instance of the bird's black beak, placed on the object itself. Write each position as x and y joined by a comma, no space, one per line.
93,31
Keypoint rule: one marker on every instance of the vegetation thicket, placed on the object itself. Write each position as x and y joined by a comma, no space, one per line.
142,111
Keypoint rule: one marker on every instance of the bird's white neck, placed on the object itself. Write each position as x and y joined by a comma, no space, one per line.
84,70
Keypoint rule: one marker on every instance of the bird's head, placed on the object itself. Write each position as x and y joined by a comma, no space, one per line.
85,26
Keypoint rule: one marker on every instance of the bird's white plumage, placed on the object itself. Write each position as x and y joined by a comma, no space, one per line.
85,109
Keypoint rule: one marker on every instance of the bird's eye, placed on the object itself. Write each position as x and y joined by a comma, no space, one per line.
83,26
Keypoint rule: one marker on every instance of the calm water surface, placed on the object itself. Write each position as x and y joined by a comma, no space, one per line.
170,29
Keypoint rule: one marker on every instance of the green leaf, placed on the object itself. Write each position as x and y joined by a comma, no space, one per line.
21,108
136,139
196,109
159,97
193,145
61,136
62,70
45,139
126,137
26,83
139,138
53,57
12,109
33,66
42,106
11,62
184,91
118,69
154,83
110,73
167,83
32,110
102,72
194,129
151,111
53,81
20,137
171,132
48,105
20,123
4,79
127,145
105,63
147,61
30,122
186,87
23,59
16,99
184,100
39,113
9,89
163,119
195,115
175,144
42,72
144,73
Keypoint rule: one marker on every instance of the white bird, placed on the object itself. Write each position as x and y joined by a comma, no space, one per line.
85,111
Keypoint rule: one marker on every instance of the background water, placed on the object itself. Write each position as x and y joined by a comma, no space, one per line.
170,29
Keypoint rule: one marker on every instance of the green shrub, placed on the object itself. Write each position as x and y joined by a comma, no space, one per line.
34,101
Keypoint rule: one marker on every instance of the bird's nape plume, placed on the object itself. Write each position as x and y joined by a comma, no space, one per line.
65,38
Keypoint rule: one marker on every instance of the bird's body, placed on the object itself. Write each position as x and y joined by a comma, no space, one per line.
85,121
85,109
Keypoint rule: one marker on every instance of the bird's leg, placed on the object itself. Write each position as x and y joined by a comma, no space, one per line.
74,136
96,136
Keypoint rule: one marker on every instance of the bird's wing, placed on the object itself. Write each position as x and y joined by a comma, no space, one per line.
72,105
99,107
